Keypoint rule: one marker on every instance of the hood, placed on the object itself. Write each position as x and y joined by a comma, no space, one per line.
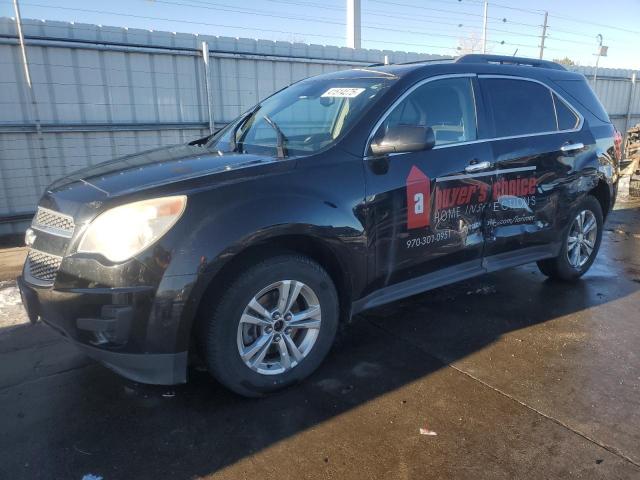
155,168
83,193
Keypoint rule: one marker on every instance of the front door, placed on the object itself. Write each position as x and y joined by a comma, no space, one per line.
425,209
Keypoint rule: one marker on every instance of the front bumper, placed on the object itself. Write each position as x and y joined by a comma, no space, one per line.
152,368
126,329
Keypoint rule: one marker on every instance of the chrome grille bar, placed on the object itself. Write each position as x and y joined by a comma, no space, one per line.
53,222
43,266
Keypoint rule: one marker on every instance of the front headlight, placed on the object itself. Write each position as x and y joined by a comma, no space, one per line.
124,231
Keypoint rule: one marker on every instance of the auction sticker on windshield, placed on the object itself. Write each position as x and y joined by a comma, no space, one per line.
343,92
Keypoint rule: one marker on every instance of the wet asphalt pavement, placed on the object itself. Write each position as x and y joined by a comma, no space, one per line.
517,376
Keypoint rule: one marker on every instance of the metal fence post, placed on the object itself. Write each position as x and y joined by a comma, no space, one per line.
32,97
627,123
207,85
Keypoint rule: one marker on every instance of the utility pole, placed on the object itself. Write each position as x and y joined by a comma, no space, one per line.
544,34
484,27
353,24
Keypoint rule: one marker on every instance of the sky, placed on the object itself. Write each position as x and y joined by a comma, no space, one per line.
425,26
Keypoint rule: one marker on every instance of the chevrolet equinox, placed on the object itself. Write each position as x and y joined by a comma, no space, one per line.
339,193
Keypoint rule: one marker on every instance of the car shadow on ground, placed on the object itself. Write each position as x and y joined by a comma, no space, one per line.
87,419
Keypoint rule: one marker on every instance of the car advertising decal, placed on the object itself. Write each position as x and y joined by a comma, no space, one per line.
466,196
418,199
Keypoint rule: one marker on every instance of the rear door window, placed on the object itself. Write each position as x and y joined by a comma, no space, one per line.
520,107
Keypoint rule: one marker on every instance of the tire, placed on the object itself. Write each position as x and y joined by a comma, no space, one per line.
564,266
265,282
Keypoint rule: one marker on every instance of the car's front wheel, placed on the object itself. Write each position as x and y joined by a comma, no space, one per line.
273,326
580,244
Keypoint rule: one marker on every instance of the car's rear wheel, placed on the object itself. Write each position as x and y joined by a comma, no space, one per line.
580,244
273,326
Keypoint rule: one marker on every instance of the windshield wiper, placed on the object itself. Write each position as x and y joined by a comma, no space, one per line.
280,148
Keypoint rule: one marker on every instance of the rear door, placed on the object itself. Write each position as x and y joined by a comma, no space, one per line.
424,208
538,137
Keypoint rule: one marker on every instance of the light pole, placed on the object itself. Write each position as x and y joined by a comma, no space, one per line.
602,52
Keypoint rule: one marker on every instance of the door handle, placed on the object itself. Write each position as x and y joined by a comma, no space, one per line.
570,147
477,166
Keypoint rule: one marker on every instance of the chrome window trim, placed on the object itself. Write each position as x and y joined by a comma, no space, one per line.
475,107
555,110
555,95
481,140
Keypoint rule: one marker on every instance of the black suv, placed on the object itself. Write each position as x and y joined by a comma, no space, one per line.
337,194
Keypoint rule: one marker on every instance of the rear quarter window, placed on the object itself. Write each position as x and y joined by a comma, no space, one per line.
567,119
581,91
519,107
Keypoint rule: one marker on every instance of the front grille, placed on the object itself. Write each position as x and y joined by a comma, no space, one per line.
54,222
43,266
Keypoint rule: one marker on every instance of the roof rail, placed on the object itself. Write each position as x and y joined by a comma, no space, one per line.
415,62
506,60
427,60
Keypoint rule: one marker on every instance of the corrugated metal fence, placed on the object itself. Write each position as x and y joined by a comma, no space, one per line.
101,92
619,93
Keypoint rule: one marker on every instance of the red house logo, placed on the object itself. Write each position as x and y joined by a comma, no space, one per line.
418,199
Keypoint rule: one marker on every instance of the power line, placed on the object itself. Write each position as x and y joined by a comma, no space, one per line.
456,37
371,26
308,4
226,8
477,15
602,25
558,16
580,34
399,4
510,7
146,17
247,11
563,17
538,12
192,22
512,22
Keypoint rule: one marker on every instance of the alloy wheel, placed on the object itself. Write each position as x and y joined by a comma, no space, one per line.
279,327
582,238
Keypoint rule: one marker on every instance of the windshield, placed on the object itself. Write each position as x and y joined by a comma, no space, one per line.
301,119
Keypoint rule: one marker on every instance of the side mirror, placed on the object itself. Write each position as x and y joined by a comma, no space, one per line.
404,138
